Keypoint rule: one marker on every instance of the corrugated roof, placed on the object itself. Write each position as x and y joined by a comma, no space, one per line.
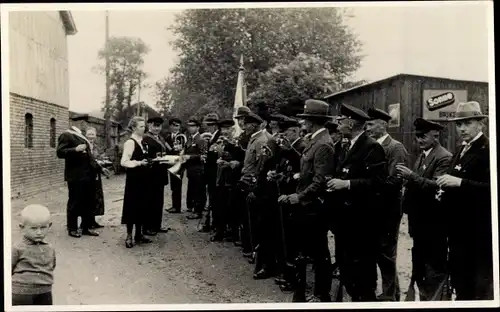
69,22
397,76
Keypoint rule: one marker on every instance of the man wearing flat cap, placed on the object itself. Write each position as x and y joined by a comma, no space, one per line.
427,220
356,188
252,168
466,198
80,173
196,149
211,123
158,177
307,206
390,215
177,142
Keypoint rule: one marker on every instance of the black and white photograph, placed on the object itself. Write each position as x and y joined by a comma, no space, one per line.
256,155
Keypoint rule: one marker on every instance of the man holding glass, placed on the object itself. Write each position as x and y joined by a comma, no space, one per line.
356,189
306,204
425,216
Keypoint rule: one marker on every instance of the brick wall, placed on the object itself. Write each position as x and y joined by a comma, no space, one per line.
35,169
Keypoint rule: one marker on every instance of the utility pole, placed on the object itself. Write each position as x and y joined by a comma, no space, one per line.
108,104
139,97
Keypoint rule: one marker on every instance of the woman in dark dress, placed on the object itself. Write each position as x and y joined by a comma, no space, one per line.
91,135
135,163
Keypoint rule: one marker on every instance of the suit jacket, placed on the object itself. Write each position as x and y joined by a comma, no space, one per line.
212,156
469,205
252,164
170,141
425,216
79,166
365,166
317,162
156,145
195,147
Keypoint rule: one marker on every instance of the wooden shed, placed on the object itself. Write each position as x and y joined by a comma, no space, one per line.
407,97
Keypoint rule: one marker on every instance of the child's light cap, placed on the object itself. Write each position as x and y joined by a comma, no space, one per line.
35,213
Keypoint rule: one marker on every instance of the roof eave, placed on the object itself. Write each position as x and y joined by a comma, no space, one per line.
69,22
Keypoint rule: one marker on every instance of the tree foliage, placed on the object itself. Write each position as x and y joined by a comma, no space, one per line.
126,57
210,42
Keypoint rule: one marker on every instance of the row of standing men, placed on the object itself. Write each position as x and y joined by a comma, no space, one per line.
277,193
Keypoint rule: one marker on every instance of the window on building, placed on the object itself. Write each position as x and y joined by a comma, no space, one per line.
28,130
52,132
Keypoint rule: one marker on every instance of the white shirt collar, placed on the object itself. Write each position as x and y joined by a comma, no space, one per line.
76,129
474,139
356,138
317,132
257,133
382,139
427,152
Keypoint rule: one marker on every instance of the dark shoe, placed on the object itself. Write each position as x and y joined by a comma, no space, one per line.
96,226
216,238
142,240
315,298
150,233
163,230
189,209
129,243
194,216
261,274
204,229
173,210
90,233
74,234
247,254
286,287
280,280
237,243
299,297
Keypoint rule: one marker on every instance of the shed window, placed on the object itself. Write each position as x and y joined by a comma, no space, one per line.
52,132
28,131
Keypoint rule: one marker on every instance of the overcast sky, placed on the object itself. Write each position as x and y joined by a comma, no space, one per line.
445,42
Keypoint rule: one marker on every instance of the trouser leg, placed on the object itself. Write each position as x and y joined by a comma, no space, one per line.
386,260
176,188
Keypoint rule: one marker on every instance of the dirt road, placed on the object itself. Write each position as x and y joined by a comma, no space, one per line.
181,266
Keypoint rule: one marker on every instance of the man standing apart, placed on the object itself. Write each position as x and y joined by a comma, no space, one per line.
80,173
427,221
307,205
175,182
391,211
466,196
358,183
158,177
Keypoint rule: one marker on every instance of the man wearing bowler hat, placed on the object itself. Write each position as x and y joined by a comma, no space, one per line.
390,216
158,177
466,196
356,188
196,149
427,220
307,204
175,182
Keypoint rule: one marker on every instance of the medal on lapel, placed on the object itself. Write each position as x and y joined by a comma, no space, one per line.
458,167
424,167
345,170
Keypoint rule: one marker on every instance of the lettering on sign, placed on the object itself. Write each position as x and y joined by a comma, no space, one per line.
440,101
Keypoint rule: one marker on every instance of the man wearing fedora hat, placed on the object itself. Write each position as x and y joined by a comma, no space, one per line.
466,197
158,177
390,216
195,150
426,219
175,182
307,206
356,188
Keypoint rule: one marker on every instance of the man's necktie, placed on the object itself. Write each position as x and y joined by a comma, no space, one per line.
421,161
464,150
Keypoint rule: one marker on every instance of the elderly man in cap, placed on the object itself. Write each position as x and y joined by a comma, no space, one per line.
158,177
466,197
252,168
425,216
211,123
195,151
307,204
80,173
357,186
390,215
177,142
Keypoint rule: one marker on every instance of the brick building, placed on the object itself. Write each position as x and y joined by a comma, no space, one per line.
99,123
39,97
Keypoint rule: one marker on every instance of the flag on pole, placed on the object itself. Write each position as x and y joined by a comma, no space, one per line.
240,97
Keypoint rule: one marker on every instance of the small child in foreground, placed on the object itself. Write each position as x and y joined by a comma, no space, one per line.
33,259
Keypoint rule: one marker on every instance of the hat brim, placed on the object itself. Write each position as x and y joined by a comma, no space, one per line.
193,124
468,117
314,116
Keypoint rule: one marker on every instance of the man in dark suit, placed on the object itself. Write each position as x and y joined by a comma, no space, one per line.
177,143
211,122
80,173
307,205
356,188
425,216
158,177
390,216
466,197
195,152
